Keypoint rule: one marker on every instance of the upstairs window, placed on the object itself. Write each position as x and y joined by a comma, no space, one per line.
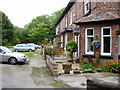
86,6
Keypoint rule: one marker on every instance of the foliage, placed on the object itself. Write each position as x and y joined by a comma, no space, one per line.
49,51
40,30
112,66
71,46
77,60
30,54
87,66
7,30
39,52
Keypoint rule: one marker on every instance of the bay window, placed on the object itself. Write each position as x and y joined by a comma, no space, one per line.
89,38
106,41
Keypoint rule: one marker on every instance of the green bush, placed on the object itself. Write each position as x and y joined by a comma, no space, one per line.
87,66
49,51
71,47
112,66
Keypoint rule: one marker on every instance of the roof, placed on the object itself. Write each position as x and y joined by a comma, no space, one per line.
103,17
63,32
70,4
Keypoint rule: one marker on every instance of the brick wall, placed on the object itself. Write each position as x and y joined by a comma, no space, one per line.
97,32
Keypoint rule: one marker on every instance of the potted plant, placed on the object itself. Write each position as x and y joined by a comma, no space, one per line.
96,43
76,32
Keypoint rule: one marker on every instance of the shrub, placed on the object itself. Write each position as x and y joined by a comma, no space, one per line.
87,66
49,51
71,47
112,66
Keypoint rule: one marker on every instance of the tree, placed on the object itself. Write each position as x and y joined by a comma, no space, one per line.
71,46
7,30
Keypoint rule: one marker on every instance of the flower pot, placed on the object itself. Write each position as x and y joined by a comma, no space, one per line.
96,45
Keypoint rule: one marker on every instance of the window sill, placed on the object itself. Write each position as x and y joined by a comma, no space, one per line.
106,57
88,55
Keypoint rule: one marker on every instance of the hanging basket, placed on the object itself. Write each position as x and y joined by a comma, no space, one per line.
76,32
96,43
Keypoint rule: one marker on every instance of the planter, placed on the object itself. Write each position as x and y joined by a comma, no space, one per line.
58,51
96,43
76,32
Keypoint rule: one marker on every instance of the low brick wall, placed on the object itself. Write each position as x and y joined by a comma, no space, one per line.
52,65
101,85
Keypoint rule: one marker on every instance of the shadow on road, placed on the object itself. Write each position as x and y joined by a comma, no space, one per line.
20,63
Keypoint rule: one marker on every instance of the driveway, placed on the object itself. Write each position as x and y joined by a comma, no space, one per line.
32,74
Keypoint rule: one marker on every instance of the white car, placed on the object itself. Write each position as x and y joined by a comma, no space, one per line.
24,47
6,55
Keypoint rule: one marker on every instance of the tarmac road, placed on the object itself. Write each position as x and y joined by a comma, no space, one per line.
33,74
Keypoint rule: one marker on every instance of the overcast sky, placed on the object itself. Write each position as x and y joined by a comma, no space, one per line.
21,12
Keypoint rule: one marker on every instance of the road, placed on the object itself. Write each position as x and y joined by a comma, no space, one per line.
32,74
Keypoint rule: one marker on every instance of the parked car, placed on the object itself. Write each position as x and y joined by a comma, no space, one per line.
32,44
6,55
38,46
24,47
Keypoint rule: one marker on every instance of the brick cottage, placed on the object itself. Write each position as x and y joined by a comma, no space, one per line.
95,21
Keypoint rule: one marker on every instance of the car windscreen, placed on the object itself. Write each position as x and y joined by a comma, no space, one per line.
6,50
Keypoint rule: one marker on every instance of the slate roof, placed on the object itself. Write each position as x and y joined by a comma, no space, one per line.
102,17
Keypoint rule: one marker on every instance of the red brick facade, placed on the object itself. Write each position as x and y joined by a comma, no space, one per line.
100,14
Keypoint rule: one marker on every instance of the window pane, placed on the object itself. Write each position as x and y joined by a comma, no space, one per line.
90,32
87,6
89,46
106,31
106,45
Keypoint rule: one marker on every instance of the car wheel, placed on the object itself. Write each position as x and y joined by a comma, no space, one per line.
16,50
12,60
30,50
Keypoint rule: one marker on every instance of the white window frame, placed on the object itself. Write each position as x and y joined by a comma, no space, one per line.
78,45
118,44
102,44
66,40
86,40
75,39
62,41
71,17
85,7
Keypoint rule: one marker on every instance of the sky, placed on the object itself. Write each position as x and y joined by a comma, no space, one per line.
21,12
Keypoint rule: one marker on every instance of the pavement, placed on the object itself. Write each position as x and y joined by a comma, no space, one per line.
77,80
